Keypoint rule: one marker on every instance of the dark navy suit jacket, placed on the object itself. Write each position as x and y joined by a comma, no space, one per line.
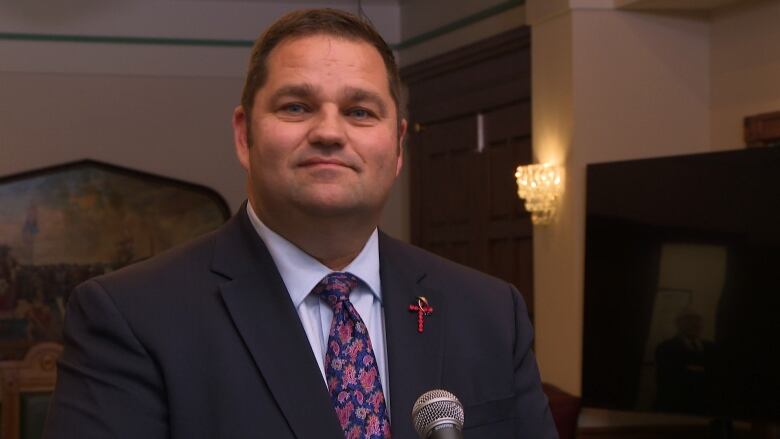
204,342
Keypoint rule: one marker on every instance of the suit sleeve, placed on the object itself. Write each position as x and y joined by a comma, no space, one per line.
534,419
107,384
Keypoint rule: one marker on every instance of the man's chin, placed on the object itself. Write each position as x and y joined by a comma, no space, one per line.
331,205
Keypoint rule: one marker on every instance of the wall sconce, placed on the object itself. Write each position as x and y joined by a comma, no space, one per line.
541,187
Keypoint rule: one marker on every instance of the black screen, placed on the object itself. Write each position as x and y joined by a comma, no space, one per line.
682,285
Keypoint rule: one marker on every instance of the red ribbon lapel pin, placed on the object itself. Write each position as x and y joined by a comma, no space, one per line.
423,309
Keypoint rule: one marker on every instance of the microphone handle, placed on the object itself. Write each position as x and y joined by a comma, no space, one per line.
446,432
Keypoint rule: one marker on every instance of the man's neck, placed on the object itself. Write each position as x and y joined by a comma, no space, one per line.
333,241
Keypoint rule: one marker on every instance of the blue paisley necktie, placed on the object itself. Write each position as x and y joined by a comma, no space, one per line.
350,366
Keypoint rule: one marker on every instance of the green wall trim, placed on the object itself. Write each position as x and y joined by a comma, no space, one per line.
101,39
124,40
458,24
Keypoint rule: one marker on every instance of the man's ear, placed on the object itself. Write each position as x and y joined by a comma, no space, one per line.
241,136
401,137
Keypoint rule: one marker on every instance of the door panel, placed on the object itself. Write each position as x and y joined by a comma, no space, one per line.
464,201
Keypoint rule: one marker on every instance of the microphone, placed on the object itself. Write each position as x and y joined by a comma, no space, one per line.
437,414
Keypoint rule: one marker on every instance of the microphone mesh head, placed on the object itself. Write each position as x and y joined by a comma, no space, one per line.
434,408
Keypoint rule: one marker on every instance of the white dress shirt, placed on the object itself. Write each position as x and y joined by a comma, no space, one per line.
301,273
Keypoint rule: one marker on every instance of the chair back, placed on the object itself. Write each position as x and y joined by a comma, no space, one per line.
26,388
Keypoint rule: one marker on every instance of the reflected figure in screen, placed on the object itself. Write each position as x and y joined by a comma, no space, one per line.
684,367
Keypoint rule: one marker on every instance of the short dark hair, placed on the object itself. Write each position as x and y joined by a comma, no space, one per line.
309,22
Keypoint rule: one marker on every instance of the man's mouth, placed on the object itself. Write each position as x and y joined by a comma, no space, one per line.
324,162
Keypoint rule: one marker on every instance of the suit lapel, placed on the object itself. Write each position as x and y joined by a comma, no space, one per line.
265,318
415,359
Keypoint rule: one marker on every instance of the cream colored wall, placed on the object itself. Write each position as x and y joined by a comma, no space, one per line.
176,127
745,68
636,86
641,85
557,308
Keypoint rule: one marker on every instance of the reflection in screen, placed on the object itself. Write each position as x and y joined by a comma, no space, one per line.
677,369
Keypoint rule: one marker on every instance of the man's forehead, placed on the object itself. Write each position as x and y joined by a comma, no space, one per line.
305,52
299,45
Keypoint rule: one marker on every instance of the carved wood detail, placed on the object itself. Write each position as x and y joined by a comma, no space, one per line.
763,129
37,372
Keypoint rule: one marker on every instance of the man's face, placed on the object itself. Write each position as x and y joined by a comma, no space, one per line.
324,134
689,325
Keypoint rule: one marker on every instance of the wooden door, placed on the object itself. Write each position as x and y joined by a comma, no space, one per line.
471,127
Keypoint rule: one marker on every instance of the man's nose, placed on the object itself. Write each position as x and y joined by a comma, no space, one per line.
328,128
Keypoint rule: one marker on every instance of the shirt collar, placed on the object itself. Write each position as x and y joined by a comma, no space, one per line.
301,272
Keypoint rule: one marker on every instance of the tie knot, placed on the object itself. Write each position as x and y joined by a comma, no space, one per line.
335,288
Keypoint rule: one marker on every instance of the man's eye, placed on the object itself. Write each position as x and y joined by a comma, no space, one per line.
359,113
294,109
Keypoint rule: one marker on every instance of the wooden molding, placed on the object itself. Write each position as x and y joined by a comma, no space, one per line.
763,129
37,372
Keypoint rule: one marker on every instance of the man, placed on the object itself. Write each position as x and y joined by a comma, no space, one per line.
685,369
293,320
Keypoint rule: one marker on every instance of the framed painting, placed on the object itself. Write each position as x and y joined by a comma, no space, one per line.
62,225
